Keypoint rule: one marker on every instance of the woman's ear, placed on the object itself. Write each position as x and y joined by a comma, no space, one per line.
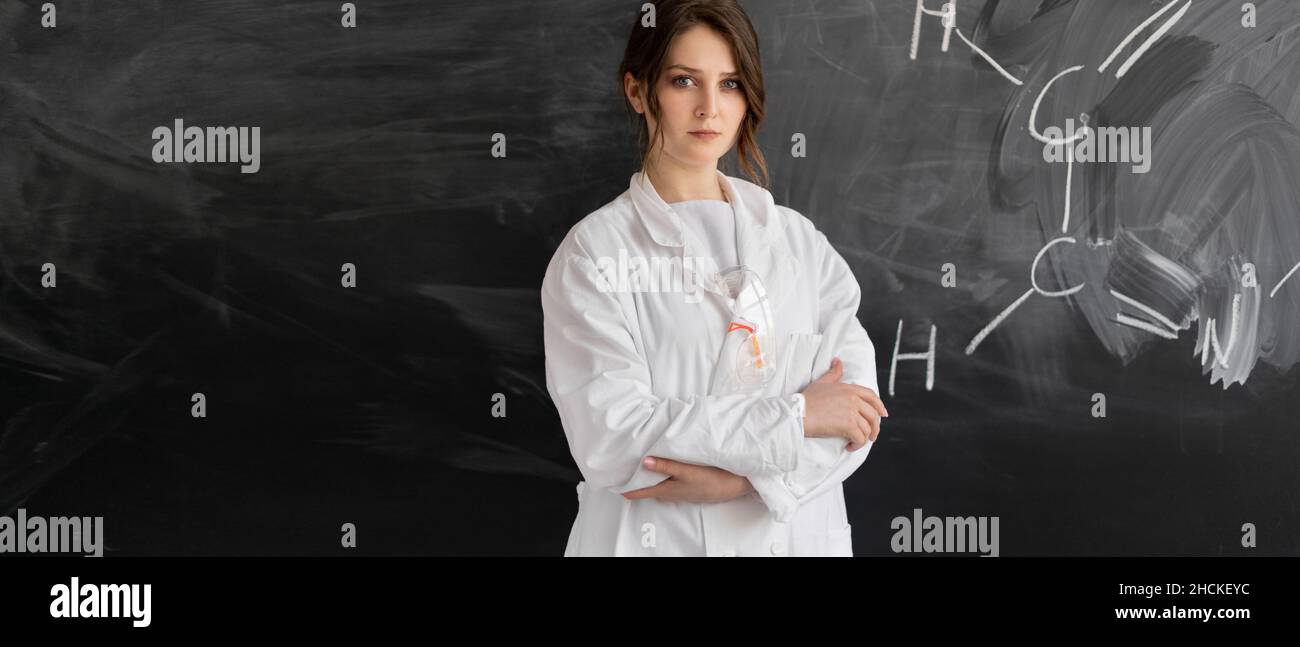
633,91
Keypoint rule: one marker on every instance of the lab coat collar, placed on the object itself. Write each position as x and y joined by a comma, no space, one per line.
762,247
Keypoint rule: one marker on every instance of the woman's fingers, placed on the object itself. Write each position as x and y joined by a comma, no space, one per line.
664,491
871,398
872,418
661,465
645,492
833,374
858,432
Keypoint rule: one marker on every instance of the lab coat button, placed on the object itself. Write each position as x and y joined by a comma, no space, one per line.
778,548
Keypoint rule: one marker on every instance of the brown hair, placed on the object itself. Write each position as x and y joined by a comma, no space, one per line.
648,46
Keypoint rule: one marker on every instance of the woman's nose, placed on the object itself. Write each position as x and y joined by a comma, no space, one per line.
709,104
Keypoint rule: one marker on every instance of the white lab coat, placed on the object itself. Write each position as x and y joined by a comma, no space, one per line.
631,373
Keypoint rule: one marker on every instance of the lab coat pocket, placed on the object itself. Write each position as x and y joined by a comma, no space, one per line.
801,351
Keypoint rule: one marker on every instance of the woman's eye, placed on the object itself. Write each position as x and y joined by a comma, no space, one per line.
735,84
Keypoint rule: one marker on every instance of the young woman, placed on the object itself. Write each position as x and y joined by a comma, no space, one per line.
702,343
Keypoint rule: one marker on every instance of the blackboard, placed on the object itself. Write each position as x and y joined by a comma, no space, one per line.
371,404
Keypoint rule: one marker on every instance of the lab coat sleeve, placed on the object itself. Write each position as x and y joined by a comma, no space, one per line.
601,386
824,463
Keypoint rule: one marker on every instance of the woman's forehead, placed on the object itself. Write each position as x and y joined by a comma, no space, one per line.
702,50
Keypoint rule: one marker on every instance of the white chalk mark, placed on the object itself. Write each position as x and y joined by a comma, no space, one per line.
1133,34
1033,113
1156,314
1033,269
1279,283
1221,355
975,342
927,356
840,67
1149,327
1069,177
948,12
988,58
948,15
1151,41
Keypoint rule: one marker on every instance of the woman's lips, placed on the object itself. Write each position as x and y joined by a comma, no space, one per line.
706,135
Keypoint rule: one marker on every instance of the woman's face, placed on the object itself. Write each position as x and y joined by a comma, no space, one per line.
699,90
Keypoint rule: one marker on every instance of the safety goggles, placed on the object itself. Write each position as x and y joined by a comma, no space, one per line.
750,330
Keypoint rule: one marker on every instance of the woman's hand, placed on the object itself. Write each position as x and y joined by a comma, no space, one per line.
848,411
692,483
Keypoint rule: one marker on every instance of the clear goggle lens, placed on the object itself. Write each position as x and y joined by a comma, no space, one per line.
755,361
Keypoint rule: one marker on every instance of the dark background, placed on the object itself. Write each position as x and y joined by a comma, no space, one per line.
372,405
